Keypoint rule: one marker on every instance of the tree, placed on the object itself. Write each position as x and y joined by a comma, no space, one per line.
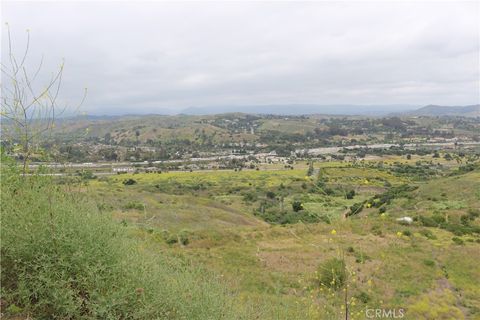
29,108
137,134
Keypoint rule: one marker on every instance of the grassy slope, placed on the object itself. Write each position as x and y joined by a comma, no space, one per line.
154,127
63,259
169,128
433,278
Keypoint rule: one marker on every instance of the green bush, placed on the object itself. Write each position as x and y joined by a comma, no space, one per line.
429,263
271,195
458,241
183,237
129,182
332,273
297,206
428,222
350,194
63,259
428,234
363,297
171,239
356,208
407,233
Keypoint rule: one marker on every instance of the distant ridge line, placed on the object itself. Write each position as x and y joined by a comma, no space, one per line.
306,109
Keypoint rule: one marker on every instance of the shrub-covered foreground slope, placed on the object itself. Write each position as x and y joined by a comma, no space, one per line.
63,259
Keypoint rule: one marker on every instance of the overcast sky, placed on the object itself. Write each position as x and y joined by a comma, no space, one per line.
151,56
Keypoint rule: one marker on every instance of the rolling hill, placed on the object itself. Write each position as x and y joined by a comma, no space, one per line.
440,111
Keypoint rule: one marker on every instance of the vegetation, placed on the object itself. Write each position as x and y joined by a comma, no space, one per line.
333,273
62,258
153,138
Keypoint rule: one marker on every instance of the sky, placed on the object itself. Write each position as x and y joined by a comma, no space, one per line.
158,57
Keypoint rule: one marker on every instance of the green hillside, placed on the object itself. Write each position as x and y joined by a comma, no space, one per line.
215,219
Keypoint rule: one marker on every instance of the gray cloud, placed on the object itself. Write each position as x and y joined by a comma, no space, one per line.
152,56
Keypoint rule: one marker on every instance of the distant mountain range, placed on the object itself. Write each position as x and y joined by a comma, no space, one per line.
344,109
305,109
299,109
439,111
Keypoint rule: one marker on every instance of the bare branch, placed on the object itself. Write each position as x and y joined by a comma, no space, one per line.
31,114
